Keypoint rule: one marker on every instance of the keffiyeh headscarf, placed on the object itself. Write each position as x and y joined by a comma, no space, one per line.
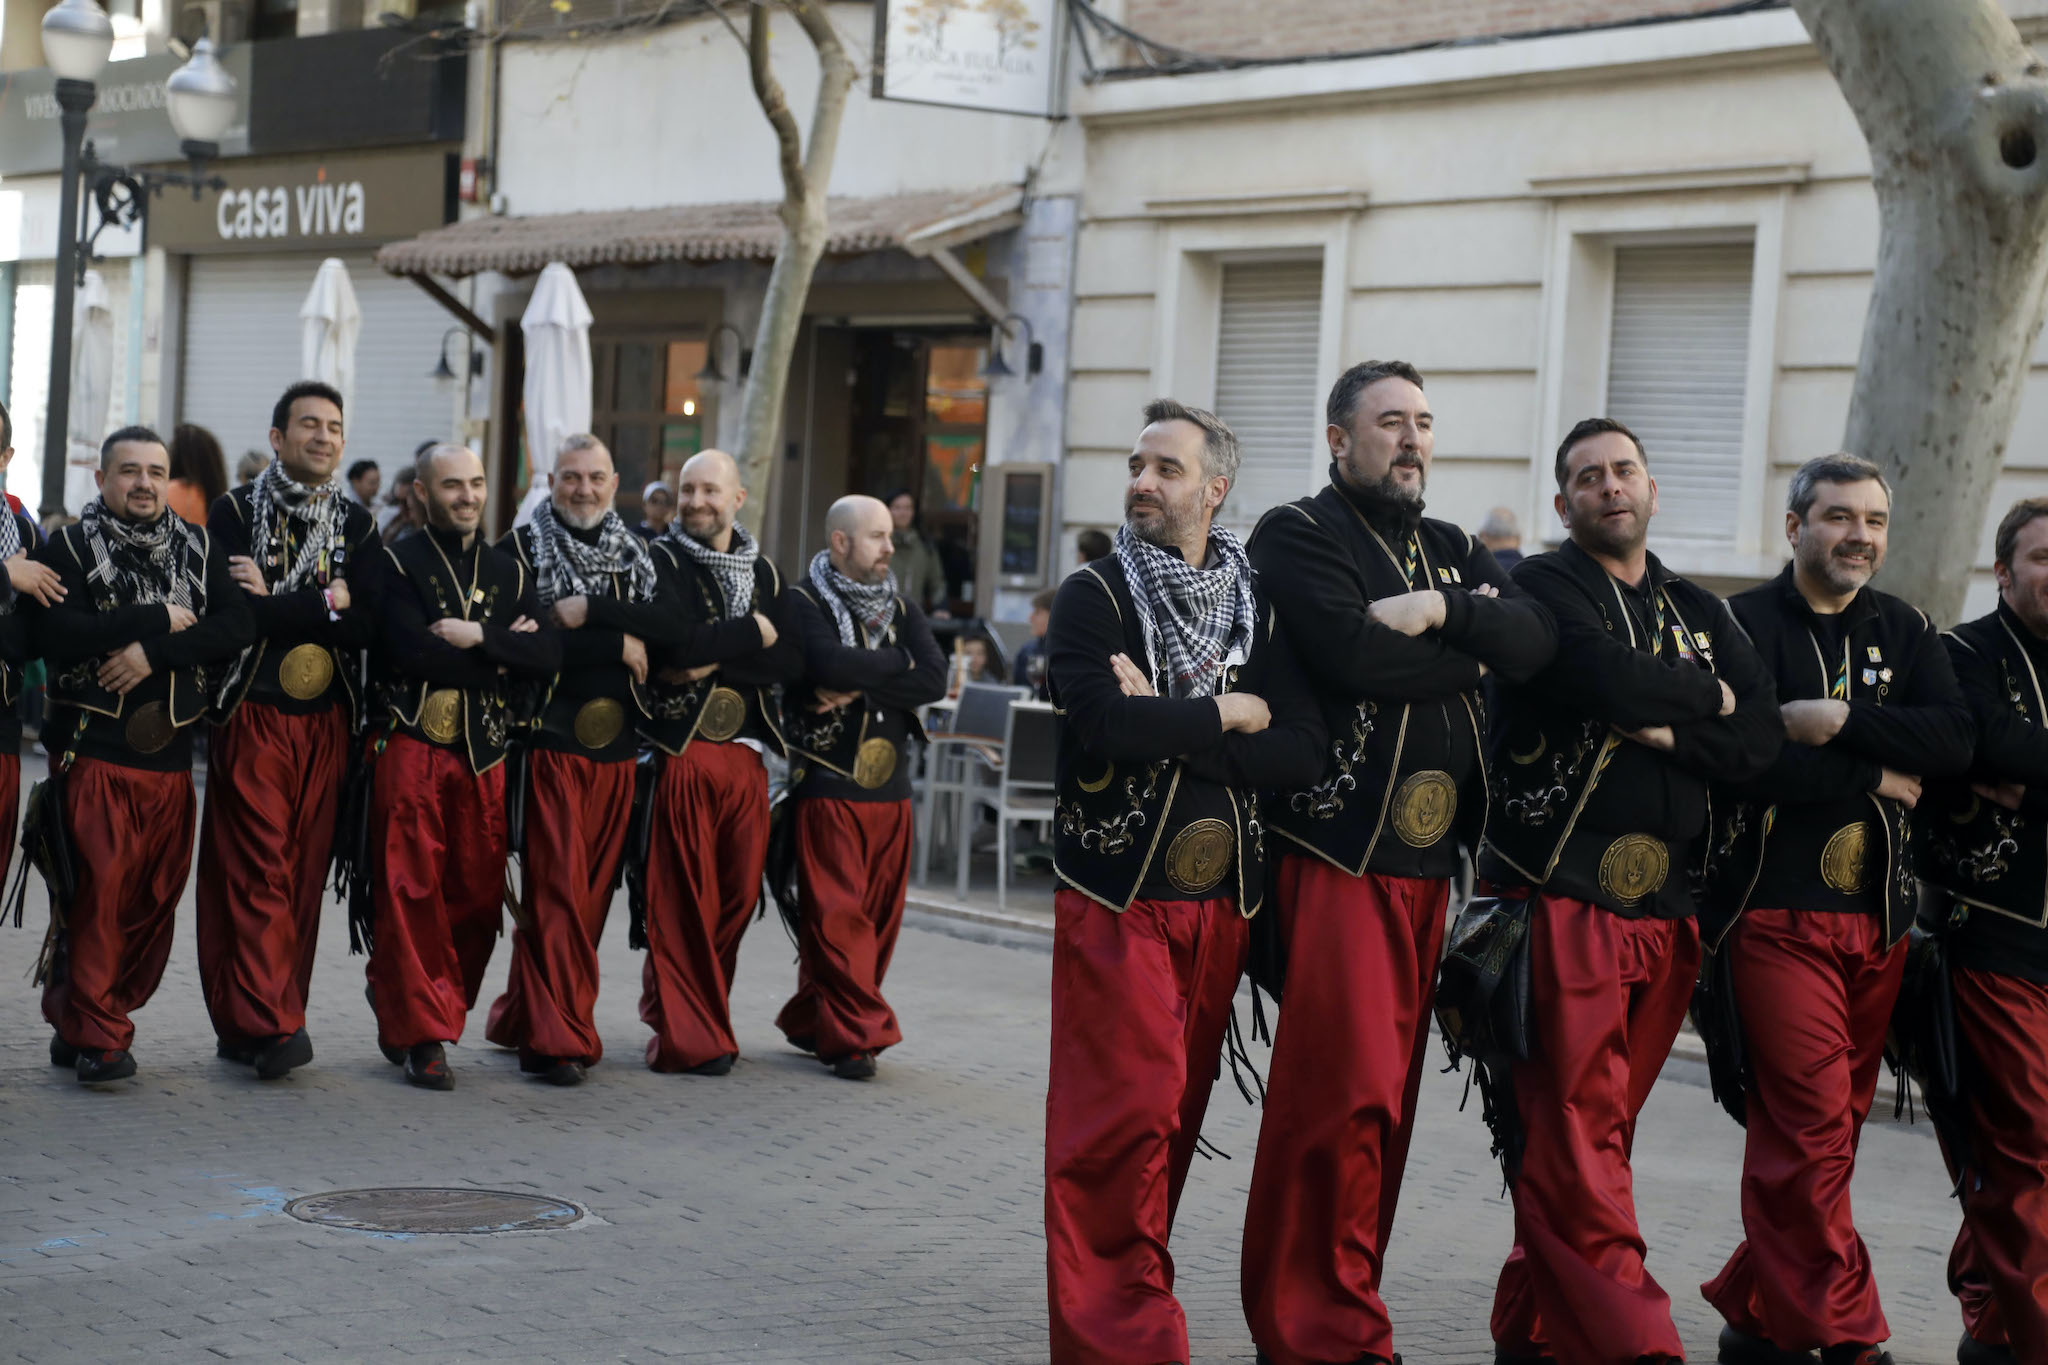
564,565
872,604
1196,621
734,568
136,563
276,500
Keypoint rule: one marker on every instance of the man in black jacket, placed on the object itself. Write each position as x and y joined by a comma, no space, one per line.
869,663
1819,869
1984,844
1403,615
147,609
1597,812
1181,703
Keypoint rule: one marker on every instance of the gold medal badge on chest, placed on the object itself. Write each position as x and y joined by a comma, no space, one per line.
1199,856
874,764
149,728
305,672
1424,807
1842,860
599,722
441,715
725,711
1634,868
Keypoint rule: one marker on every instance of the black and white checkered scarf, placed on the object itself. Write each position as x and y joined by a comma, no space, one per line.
321,511
564,565
873,604
10,532
1195,620
734,568
142,563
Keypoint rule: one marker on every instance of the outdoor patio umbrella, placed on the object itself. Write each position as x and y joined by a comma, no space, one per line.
92,391
558,378
329,323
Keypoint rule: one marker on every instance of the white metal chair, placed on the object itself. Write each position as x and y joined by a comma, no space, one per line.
956,763
1025,788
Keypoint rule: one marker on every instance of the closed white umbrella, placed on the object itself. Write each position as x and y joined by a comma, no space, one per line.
558,376
92,391
329,323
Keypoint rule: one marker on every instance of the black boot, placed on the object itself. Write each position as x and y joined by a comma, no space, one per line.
1970,1351
717,1066
277,1057
426,1066
1740,1348
1854,1353
855,1066
62,1053
98,1068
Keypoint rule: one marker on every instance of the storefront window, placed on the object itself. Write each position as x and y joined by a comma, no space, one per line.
656,414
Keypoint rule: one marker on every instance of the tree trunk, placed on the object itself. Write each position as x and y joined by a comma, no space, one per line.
806,176
1955,110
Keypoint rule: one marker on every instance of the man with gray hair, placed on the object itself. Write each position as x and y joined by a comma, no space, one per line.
1817,889
1501,534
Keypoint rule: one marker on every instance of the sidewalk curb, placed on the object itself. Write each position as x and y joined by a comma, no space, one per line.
973,914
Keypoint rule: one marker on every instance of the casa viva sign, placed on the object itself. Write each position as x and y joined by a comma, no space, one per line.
309,204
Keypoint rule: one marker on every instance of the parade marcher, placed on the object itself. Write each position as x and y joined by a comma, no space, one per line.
148,610
460,641
298,547
869,663
1181,702
1817,882
1403,614
1985,845
576,790
24,581
714,716
1596,812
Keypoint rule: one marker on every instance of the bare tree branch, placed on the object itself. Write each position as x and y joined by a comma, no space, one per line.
835,77
718,9
775,105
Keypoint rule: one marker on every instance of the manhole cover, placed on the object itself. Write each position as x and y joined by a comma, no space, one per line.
418,1210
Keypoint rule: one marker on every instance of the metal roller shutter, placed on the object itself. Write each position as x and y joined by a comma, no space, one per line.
1677,371
1267,338
241,350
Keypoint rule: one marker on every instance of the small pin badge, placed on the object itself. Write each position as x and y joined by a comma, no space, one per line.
1869,677
1443,575
1874,655
476,594
1885,673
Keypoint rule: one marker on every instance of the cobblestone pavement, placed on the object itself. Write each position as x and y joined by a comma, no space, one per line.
773,1215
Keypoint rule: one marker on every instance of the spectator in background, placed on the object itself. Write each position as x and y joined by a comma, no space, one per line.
1029,670
657,507
1090,546
920,573
252,463
1501,534
199,472
401,514
364,479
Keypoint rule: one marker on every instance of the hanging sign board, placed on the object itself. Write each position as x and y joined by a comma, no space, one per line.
998,56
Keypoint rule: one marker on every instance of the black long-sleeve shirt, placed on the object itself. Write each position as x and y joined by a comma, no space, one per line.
892,680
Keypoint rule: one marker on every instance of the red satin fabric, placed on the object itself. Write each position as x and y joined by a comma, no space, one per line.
1815,992
704,861
10,808
273,781
1998,1270
1608,996
577,812
440,888
131,843
853,860
1139,1005
1340,1106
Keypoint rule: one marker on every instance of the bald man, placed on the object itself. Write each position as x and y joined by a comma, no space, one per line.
714,716
462,641
573,778
869,663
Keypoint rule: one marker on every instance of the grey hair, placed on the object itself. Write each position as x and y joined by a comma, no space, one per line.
581,440
1220,454
1500,524
1837,468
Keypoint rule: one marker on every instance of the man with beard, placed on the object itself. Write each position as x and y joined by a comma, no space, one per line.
714,716
147,604
1984,848
1596,812
576,787
1405,614
285,709
1817,891
1182,702
461,630
869,663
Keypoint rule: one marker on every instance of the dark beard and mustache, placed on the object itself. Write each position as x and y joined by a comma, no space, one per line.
1389,488
1834,569
1168,529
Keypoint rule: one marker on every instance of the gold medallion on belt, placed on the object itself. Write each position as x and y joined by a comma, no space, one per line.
1199,856
150,728
441,715
725,711
305,671
1424,807
1634,868
599,722
1841,861
875,763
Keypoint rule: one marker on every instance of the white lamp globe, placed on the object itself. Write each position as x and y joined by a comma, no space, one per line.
200,95
77,36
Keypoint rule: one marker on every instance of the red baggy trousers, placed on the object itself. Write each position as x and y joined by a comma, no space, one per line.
1340,1105
440,888
1999,1268
10,807
704,863
131,846
853,868
1814,991
273,781
1140,1001
1608,994
577,812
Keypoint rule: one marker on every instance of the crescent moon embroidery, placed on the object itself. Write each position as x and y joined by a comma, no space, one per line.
1542,743
1969,813
1108,775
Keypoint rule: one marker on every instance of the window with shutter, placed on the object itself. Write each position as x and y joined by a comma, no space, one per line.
1267,339
1678,357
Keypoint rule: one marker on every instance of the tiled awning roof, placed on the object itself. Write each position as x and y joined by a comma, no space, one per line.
916,223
